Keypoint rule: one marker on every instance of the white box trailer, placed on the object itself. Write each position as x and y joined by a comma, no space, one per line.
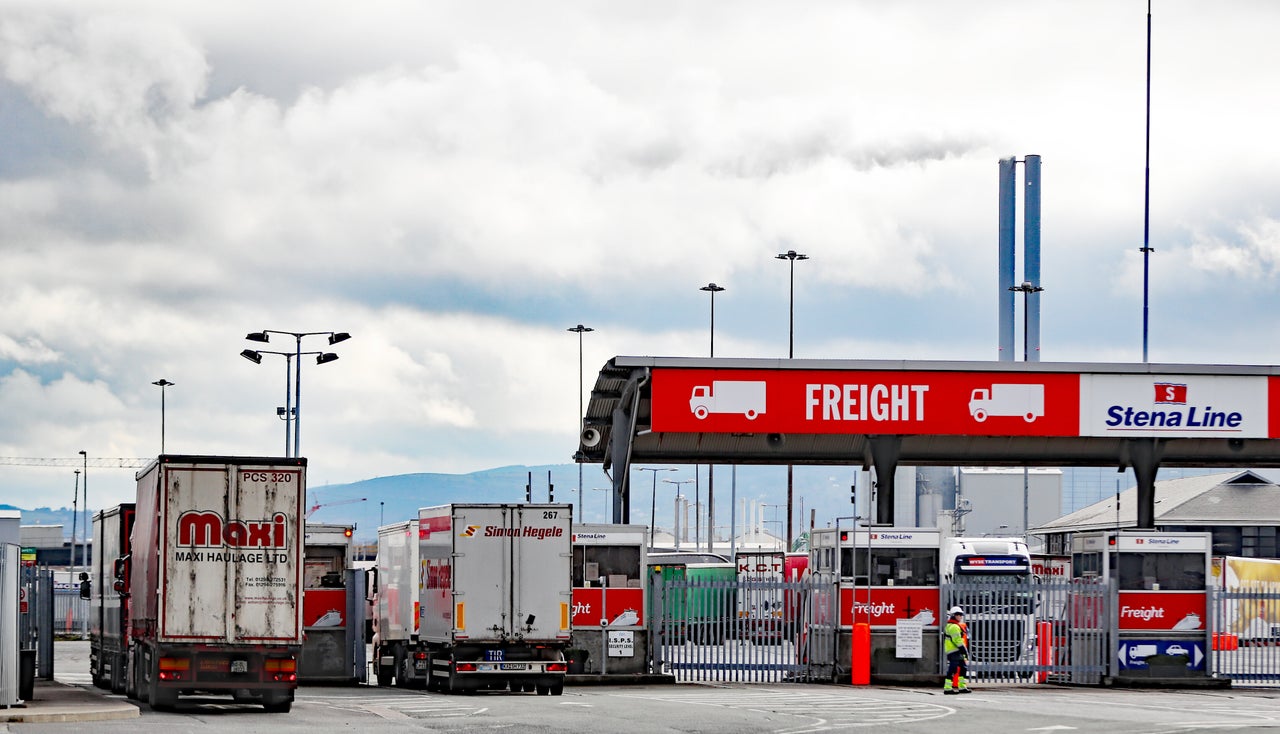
395,633
215,579
495,595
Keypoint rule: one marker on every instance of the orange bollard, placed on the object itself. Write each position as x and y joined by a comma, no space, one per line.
1044,649
860,655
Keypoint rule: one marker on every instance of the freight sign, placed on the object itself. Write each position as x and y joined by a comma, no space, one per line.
964,403
1177,611
888,605
624,607
787,401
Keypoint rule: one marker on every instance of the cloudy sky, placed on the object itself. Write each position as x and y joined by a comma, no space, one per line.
456,183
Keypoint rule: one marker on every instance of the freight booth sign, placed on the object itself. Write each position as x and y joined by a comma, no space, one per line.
608,582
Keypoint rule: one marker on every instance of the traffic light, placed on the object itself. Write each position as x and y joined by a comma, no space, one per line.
528,488
551,492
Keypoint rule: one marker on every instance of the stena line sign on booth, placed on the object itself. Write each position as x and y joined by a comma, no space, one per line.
964,403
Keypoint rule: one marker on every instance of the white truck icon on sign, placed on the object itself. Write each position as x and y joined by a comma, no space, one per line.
1007,400
728,396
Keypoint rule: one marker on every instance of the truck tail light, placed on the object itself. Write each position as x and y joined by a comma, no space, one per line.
419,656
280,665
465,667
175,663
557,667
174,668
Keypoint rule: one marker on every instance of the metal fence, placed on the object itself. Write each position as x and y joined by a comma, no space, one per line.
1245,635
739,630
1034,631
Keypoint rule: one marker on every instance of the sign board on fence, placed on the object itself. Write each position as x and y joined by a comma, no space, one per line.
622,644
1134,654
910,638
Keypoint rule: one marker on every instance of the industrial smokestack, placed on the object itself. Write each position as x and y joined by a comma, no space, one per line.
1031,252
1008,200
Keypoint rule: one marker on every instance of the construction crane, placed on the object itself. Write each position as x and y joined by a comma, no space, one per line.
312,510
78,461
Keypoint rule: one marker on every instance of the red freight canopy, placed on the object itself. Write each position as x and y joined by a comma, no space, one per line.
963,403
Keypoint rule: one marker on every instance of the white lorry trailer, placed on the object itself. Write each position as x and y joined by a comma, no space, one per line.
495,596
395,634
215,579
108,607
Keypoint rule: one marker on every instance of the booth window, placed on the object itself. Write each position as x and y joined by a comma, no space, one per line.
1161,571
590,562
1086,564
891,566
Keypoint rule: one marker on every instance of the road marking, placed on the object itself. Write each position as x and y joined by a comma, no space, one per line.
818,711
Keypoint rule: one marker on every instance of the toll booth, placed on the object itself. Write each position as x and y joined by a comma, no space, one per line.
333,608
609,635
1161,581
887,578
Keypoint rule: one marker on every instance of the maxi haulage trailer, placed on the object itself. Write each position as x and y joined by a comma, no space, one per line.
216,579
495,596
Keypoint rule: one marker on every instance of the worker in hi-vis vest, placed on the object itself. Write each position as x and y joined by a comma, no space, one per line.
955,643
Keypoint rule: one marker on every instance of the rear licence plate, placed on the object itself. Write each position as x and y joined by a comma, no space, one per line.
239,666
513,666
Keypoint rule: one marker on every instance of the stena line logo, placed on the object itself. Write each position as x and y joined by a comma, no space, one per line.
206,529
1173,409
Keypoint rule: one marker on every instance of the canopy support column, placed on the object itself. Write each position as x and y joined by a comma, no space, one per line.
885,451
1144,456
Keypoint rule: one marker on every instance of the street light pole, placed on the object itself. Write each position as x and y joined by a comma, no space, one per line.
653,501
162,384
1026,289
675,529
791,256
75,515
713,289
580,330
255,356
84,556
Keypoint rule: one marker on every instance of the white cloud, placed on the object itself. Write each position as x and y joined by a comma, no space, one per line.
454,191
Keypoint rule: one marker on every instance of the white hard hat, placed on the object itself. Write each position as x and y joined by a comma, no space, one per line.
955,610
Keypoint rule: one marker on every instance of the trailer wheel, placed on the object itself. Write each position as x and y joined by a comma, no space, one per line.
277,704
130,678
557,689
384,675
162,699
543,689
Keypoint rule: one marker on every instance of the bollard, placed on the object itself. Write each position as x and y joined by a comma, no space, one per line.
860,655
1044,649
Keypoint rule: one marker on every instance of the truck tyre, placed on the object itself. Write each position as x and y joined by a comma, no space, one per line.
162,699
543,689
277,703
130,678
385,675
117,673
557,689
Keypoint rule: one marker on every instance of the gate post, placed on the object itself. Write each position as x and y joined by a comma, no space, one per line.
657,628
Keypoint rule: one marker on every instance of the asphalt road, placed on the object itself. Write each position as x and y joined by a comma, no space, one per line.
713,709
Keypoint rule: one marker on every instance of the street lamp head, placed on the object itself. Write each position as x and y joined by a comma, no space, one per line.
580,328
258,336
82,453
252,356
711,287
792,255
326,357
163,383
340,336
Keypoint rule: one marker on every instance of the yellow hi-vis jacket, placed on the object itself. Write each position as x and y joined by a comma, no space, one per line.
955,637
